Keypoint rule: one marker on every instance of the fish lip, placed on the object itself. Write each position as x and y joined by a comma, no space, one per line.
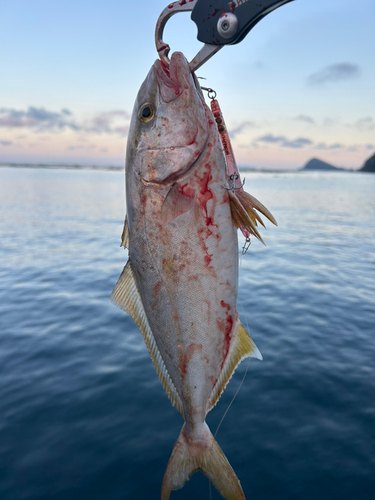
167,78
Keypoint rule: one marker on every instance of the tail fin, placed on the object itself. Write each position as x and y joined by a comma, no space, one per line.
204,454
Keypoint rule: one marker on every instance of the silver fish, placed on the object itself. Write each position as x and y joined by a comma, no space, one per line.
180,282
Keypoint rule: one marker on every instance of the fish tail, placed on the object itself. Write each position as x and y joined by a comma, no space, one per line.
190,455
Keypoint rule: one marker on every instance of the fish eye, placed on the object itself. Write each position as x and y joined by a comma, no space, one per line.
146,112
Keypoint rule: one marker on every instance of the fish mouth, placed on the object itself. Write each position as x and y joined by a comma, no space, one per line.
174,80
170,77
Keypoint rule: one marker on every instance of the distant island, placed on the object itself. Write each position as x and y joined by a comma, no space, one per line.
315,164
369,165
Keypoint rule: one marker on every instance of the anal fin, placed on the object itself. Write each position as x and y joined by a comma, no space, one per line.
126,296
241,347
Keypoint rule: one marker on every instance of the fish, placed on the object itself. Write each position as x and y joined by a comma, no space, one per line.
180,282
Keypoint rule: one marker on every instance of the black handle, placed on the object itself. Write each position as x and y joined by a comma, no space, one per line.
222,22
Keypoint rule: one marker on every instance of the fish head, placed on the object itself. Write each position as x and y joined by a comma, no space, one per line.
169,127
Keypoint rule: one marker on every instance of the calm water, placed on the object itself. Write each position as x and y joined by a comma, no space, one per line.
82,413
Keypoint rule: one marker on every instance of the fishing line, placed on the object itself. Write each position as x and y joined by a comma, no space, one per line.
235,395
226,411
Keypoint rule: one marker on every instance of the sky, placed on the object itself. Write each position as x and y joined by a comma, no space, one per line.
300,85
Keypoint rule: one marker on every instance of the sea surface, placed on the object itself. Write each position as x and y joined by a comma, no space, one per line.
83,415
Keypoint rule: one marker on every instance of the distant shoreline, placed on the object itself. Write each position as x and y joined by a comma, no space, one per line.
61,166
242,169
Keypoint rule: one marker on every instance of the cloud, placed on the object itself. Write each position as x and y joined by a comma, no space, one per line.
259,65
361,147
324,146
6,143
272,138
43,120
297,143
237,130
334,73
76,147
364,124
302,142
39,119
330,122
109,122
305,118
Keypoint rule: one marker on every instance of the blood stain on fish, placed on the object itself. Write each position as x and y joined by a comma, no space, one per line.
225,305
208,259
187,356
226,326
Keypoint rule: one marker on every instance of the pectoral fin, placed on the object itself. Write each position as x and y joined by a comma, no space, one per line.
126,296
177,202
241,347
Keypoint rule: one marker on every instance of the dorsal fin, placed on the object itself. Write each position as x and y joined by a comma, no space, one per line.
126,296
241,347
125,234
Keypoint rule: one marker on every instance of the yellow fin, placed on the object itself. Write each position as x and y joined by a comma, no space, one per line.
126,296
241,347
125,234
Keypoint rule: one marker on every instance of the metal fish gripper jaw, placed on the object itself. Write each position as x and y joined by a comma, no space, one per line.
219,23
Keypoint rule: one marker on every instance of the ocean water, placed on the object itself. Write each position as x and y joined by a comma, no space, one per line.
82,412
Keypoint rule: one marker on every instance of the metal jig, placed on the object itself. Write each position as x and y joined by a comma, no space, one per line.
234,180
232,169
